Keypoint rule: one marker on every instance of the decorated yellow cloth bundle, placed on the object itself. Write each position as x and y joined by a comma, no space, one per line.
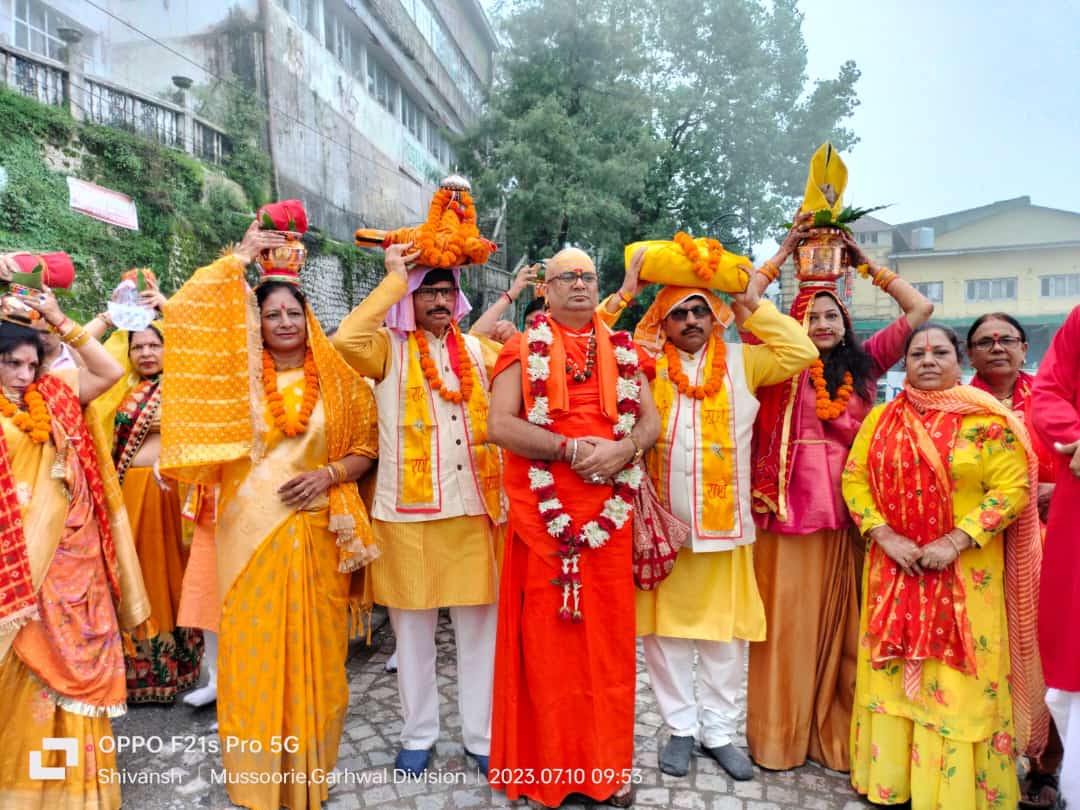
688,262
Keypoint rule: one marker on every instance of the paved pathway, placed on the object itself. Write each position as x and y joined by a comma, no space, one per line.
370,742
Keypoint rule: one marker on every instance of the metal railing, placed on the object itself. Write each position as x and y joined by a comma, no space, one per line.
118,108
36,78
105,103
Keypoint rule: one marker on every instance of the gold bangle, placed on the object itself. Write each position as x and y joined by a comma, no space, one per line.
954,544
75,337
627,300
341,470
638,452
105,319
884,278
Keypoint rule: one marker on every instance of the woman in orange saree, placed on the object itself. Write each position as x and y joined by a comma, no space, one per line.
269,411
69,578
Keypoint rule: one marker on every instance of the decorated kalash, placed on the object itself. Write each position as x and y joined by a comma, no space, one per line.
70,578
806,554
438,510
257,401
697,592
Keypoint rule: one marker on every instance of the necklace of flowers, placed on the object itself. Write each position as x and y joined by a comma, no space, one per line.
35,420
677,376
828,408
431,371
618,508
704,267
275,402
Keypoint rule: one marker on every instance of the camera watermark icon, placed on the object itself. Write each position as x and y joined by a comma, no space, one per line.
70,747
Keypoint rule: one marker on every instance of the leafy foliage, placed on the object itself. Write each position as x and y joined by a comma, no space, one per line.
612,121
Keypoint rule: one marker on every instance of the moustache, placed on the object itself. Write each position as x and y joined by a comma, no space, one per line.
438,311
690,330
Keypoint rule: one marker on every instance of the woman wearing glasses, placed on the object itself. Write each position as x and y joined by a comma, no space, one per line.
997,346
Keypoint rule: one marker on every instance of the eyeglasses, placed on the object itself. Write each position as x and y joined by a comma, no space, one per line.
567,279
699,311
1005,341
429,294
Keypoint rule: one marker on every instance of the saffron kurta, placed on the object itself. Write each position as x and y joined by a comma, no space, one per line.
1056,418
951,746
714,596
563,708
442,554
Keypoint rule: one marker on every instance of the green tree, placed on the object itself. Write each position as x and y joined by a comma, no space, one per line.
611,121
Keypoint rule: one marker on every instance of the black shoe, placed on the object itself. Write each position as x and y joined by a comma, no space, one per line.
675,758
732,760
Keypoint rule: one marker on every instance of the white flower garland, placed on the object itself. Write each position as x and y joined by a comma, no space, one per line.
617,509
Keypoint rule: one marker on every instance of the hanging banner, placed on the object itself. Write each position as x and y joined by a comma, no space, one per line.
103,204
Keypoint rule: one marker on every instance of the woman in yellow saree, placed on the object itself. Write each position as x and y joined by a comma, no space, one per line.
949,688
257,401
130,414
69,578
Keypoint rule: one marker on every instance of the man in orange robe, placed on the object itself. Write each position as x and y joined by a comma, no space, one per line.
564,409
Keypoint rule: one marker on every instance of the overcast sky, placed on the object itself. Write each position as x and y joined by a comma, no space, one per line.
962,103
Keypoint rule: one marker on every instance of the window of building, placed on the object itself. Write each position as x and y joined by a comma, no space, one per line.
36,27
1064,286
304,12
933,290
339,39
447,51
990,289
411,116
380,84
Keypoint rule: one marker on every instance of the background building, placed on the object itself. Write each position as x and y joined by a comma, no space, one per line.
360,98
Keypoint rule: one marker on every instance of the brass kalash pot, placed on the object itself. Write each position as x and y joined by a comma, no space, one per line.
822,257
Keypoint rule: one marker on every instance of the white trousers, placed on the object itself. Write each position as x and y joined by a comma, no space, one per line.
1065,709
720,669
474,632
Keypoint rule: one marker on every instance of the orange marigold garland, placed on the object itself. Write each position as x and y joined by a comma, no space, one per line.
449,236
431,371
828,408
35,420
705,267
276,403
677,376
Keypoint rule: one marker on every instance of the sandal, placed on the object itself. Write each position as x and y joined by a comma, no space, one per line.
1039,791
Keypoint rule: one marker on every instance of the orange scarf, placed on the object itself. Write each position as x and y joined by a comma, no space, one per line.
558,398
1023,559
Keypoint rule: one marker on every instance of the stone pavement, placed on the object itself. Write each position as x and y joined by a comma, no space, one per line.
370,742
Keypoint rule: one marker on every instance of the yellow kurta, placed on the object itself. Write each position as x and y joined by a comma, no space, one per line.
713,596
423,564
951,747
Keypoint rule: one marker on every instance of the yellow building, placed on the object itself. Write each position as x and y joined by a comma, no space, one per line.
1010,256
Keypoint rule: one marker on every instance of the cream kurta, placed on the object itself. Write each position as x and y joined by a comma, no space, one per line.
714,596
428,559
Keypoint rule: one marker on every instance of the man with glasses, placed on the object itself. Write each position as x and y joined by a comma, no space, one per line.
704,393
438,511
574,415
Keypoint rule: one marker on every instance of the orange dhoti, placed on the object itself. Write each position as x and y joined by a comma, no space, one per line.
563,706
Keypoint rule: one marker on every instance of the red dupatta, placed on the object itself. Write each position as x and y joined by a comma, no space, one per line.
924,617
1022,405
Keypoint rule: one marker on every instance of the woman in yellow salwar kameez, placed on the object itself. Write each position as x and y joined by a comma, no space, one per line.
948,688
69,578
291,528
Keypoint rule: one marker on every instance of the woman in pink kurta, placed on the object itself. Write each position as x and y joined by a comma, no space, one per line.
1056,419
802,677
